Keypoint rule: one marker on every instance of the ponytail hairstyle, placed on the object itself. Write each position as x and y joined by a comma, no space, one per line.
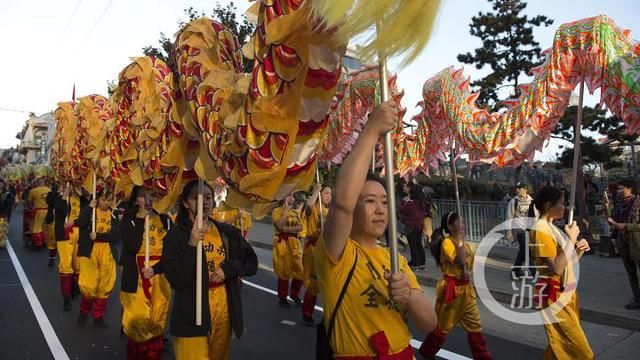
441,233
183,212
132,206
546,198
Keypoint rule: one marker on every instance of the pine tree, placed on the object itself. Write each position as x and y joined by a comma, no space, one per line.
508,48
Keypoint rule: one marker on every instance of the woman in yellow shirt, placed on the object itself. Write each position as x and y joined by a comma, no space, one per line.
562,321
143,296
96,256
226,257
455,296
314,224
289,227
371,321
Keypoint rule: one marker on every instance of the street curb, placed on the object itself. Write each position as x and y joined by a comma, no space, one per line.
586,314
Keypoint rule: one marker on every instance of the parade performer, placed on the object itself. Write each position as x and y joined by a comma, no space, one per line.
228,256
96,257
289,226
38,204
144,299
238,218
314,229
566,337
51,224
349,259
64,244
456,302
74,204
5,212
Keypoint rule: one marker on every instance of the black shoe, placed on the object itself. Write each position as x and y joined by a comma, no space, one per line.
297,301
284,303
82,318
99,322
308,321
52,261
634,305
67,305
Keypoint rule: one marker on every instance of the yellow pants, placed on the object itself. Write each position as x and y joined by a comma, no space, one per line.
309,270
98,273
37,224
463,311
218,344
144,318
566,338
287,259
4,232
65,254
75,261
51,236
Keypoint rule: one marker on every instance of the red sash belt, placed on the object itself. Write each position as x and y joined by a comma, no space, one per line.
146,283
450,288
68,230
40,209
310,242
284,236
213,285
547,290
380,344
103,241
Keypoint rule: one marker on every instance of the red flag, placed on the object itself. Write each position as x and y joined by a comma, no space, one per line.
73,94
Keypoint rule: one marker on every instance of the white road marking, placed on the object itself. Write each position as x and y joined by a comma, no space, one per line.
57,350
445,354
287,322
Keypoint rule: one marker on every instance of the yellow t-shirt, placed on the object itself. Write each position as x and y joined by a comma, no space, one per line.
366,308
74,212
448,253
243,223
103,220
38,197
313,220
544,245
294,217
157,232
213,249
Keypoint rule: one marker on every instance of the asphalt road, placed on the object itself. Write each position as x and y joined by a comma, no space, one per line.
272,332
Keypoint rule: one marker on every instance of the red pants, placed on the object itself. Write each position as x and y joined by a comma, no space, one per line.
148,350
99,306
434,341
309,304
283,288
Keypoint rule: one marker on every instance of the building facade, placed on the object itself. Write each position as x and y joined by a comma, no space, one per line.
36,138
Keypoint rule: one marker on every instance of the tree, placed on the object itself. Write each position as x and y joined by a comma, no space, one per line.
508,48
241,27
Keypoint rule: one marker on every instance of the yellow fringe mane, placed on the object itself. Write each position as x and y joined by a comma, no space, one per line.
405,25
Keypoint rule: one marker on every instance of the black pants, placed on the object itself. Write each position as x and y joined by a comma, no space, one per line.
415,246
523,252
632,267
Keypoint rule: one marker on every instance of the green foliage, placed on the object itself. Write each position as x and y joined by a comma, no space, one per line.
508,47
239,25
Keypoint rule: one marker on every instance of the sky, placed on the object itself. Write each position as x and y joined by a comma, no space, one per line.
48,46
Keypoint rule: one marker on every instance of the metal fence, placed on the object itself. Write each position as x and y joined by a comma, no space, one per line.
479,216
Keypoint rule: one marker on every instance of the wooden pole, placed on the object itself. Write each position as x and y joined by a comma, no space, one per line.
320,199
454,174
576,156
388,170
93,212
199,219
